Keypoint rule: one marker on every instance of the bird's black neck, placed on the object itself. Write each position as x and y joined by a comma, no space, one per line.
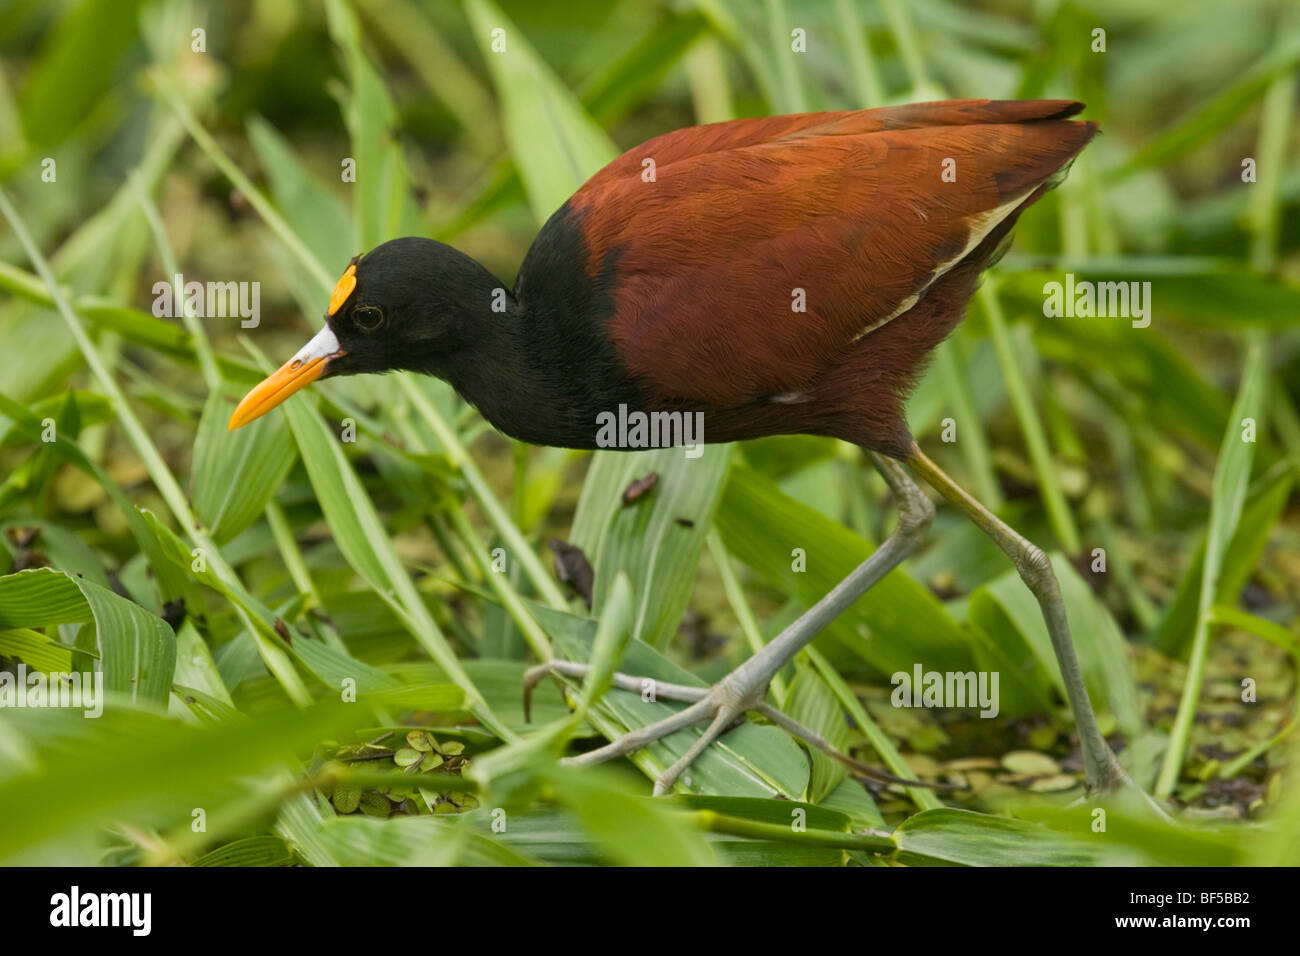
535,360
539,370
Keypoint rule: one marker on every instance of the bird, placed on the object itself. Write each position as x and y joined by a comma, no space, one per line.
776,275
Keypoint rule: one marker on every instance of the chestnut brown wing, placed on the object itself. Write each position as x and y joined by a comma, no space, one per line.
760,250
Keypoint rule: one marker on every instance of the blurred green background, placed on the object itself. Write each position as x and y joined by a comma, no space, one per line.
232,587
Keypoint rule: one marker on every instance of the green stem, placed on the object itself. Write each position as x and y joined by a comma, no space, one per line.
1216,542
1264,208
707,74
1058,510
438,528
1271,155
900,24
792,98
202,347
292,555
972,441
862,67
514,604
716,822
519,486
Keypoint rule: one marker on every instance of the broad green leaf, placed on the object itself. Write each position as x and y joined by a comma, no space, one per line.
182,766
137,650
946,837
414,841
339,672
852,799
300,821
658,538
205,708
546,834
788,813
811,702
554,835
36,650
195,668
633,830
236,474
1134,837
250,851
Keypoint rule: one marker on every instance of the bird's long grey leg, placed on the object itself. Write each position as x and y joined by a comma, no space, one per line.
813,739
915,512
1100,766
534,675
745,688
721,721
643,736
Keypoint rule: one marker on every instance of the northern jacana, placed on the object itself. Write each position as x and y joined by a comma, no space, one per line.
674,292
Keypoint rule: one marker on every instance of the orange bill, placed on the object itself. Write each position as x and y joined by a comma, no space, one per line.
307,366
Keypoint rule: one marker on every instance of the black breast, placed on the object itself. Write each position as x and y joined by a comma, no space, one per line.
564,371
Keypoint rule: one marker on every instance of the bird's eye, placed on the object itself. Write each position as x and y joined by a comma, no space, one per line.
368,317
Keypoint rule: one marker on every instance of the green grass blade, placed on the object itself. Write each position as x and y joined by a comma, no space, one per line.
361,536
555,143
1231,480
1031,427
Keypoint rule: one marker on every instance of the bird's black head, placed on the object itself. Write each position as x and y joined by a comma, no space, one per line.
410,303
